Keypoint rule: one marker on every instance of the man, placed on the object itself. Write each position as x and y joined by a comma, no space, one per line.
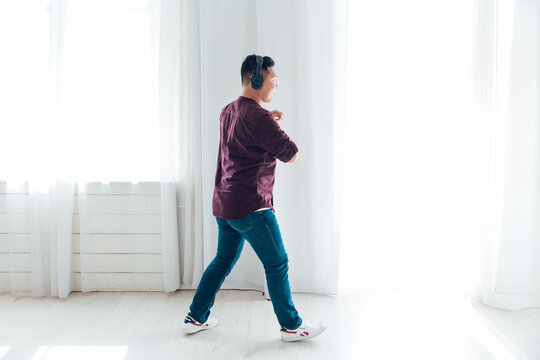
250,142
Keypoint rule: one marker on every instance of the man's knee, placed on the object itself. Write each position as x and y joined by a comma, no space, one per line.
281,265
224,263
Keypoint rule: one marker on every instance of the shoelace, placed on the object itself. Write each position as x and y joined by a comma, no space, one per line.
189,319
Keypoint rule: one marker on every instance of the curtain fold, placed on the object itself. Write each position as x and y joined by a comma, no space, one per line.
40,226
180,103
138,220
507,84
48,243
166,18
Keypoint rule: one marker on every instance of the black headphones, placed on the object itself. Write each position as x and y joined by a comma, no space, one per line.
257,78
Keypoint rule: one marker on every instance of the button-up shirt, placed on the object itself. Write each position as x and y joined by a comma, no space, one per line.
250,142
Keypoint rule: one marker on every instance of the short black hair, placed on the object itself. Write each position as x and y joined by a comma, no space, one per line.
250,63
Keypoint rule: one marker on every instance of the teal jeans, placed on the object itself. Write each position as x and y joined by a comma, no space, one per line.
261,229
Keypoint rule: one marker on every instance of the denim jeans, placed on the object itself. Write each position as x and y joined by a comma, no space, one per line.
261,229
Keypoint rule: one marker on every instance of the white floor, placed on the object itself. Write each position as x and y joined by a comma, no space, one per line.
147,325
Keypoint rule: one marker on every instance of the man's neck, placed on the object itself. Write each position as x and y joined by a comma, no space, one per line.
252,95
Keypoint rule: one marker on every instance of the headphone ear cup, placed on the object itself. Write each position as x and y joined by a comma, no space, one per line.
256,80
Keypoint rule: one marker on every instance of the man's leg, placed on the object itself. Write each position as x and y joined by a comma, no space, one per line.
230,244
261,230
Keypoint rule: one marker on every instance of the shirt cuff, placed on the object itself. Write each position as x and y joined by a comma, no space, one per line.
293,150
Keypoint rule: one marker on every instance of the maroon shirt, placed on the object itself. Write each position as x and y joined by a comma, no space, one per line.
250,141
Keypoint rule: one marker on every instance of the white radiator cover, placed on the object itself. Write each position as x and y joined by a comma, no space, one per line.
124,251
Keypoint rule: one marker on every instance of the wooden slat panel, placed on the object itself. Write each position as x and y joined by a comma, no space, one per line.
18,203
19,262
98,224
97,204
119,263
124,248
120,281
121,204
20,223
113,187
94,262
123,224
98,243
118,188
96,281
120,243
20,189
21,243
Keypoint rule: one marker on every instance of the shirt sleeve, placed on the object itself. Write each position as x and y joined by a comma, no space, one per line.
269,136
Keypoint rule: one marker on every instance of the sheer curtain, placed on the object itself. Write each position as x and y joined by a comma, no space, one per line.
37,191
442,139
412,180
306,39
136,100
430,189
84,107
508,69
180,97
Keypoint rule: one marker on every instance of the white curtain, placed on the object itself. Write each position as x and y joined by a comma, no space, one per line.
412,149
38,192
306,39
82,103
180,99
507,89
140,102
137,99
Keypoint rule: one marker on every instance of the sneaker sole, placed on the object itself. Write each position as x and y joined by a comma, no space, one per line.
310,336
192,329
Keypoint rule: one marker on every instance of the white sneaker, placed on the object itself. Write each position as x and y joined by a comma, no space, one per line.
305,331
192,326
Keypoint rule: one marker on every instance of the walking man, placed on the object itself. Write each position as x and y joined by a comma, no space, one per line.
250,142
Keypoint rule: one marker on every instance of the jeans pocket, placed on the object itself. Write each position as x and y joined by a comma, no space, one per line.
270,219
275,233
242,225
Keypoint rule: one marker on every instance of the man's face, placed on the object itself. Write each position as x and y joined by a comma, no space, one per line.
269,86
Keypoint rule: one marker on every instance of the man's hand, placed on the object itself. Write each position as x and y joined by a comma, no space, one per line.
293,159
277,114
